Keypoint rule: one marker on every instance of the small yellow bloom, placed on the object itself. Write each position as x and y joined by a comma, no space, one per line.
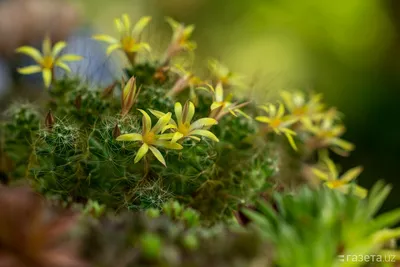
222,105
130,93
180,39
183,128
181,35
332,180
302,107
129,40
328,129
192,80
151,137
224,75
278,122
187,79
47,60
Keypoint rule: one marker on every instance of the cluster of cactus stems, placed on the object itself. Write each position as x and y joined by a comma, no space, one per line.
191,173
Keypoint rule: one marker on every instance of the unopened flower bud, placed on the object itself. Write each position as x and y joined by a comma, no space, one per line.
116,131
49,120
78,102
109,90
129,96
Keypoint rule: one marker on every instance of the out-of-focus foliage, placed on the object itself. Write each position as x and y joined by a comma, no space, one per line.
313,228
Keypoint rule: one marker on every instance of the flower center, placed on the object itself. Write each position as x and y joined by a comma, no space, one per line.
184,128
127,43
48,62
275,123
149,138
300,111
335,184
327,134
224,80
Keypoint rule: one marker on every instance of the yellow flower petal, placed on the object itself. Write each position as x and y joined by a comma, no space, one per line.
265,108
146,121
32,52
291,141
355,189
176,137
338,130
287,99
232,111
46,46
141,152
168,144
332,167
161,123
320,174
167,136
187,32
126,21
58,47
112,48
47,77
242,113
201,123
347,146
288,131
195,138
188,113
120,27
351,174
130,137
360,191
139,47
173,23
63,65
219,70
30,69
216,105
157,113
281,111
169,126
219,93
140,25
178,112
263,119
272,110
205,133
158,155
70,57
105,38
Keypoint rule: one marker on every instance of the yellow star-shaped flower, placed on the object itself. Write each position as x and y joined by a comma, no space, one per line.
151,137
47,60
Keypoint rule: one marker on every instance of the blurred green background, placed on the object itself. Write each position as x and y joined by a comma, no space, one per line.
346,49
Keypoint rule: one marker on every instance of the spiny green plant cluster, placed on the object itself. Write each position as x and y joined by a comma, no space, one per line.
182,163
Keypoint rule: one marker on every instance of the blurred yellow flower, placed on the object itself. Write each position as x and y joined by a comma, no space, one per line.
180,39
47,60
183,128
327,129
302,107
151,137
278,122
129,40
223,74
186,79
222,105
332,180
